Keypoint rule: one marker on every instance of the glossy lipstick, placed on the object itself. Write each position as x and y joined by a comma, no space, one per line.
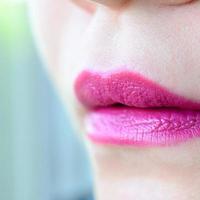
127,109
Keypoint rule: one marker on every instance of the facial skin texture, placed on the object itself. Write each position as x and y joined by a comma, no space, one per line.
158,39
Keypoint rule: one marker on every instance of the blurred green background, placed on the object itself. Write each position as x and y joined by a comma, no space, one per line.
40,157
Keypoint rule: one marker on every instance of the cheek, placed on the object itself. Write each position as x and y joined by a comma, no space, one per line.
56,26
57,29
47,34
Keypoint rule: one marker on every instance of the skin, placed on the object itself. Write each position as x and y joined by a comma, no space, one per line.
157,38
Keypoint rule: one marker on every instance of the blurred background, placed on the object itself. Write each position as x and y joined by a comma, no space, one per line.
40,156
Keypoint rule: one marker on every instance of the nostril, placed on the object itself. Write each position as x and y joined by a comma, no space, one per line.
172,2
111,3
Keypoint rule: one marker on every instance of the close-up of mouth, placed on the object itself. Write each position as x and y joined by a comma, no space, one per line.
125,108
100,99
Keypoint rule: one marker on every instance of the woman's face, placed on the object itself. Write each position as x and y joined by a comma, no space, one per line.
153,45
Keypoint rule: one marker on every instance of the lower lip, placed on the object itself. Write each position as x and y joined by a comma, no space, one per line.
142,127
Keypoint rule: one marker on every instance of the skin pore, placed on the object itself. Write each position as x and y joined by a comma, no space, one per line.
159,39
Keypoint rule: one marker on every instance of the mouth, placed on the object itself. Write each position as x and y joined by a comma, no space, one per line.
125,108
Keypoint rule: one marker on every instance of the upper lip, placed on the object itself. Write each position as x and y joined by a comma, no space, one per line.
95,89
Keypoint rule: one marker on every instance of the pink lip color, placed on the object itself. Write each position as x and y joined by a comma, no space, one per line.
149,114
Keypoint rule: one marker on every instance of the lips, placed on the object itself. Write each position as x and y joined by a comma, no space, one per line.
127,109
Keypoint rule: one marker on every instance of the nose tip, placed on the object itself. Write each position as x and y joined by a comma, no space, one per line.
111,3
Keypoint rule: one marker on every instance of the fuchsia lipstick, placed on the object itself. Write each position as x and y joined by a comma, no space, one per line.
128,109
